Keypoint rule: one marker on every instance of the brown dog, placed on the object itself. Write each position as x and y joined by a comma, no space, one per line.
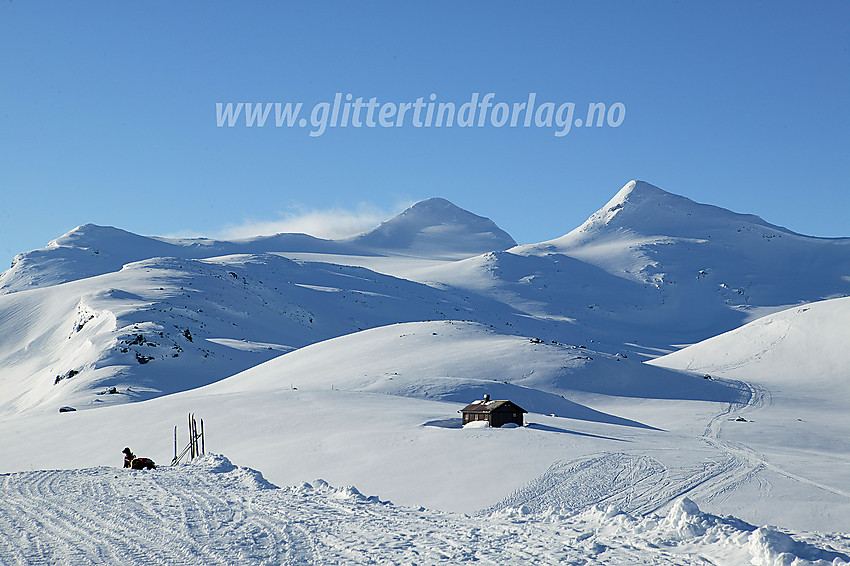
142,464
130,461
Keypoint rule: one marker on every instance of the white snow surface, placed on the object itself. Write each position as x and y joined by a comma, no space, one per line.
803,347
349,360
214,512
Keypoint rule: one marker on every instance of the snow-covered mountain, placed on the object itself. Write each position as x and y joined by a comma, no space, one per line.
655,237
657,270
350,359
91,250
437,228
153,316
100,307
433,228
166,324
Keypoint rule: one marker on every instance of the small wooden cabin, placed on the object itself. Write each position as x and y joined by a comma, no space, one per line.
497,413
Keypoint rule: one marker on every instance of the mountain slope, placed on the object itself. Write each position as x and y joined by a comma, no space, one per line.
437,228
460,361
803,347
798,360
647,273
165,324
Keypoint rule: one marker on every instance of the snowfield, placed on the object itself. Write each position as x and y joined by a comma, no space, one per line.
213,512
684,369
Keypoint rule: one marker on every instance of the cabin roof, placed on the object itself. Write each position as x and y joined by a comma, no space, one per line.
485,406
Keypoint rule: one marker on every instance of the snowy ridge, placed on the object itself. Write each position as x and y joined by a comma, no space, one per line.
212,512
645,274
432,227
649,235
91,250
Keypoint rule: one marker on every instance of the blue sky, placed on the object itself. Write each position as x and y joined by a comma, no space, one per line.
108,113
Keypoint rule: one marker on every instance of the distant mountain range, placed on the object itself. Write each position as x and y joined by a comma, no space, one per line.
647,273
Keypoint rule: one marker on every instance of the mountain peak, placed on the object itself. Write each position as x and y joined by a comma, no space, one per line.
636,189
435,203
644,208
438,225
437,210
94,235
640,195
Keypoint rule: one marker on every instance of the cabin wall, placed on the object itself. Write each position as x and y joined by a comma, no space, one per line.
471,417
496,418
501,418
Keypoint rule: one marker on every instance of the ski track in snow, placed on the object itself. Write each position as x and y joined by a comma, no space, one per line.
751,461
642,484
639,483
212,512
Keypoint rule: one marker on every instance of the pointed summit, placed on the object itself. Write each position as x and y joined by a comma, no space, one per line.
437,226
643,208
648,235
636,190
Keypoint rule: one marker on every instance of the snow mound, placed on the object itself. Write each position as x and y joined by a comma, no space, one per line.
230,474
347,493
686,530
685,520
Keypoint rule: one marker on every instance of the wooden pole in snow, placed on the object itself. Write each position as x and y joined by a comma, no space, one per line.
191,439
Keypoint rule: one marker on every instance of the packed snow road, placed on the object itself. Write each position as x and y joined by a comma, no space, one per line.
212,512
